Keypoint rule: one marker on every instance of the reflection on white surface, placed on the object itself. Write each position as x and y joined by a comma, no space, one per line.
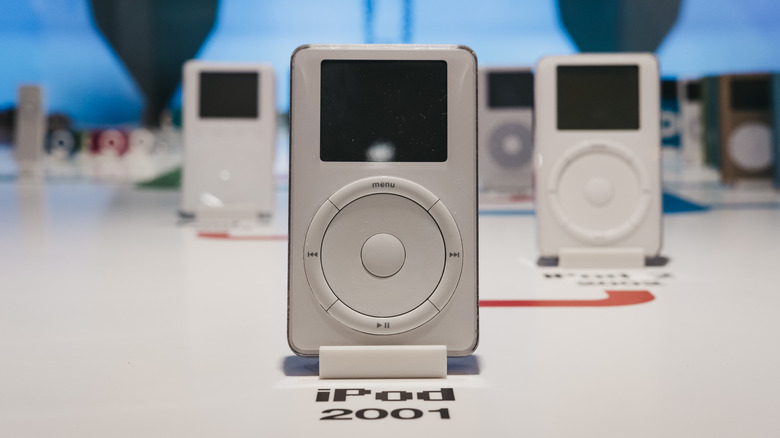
33,217
210,200
116,322
381,151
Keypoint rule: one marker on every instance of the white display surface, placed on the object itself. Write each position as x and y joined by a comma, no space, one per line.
116,322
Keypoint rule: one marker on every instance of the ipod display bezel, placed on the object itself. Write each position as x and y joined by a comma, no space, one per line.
556,148
315,183
241,148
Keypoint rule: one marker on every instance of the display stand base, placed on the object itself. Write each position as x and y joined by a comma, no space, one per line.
383,362
229,214
601,258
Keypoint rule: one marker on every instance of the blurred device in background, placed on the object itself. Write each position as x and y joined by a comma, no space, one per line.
745,127
710,92
598,190
109,142
691,130
506,105
60,139
29,129
670,114
229,140
776,127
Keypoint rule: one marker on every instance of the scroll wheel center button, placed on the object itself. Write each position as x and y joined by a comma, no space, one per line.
383,255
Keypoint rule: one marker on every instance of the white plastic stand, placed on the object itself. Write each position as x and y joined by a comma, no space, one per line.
601,258
225,213
383,362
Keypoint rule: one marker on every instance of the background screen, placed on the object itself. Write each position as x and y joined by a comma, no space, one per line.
383,110
510,89
598,97
750,94
228,95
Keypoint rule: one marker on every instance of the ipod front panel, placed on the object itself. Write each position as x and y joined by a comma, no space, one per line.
670,113
506,100
776,127
710,90
745,126
691,114
597,153
30,125
229,137
383,197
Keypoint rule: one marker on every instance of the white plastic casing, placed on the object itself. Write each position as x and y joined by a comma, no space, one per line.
336,206
505,140
30,128
691,129
228,162
597,188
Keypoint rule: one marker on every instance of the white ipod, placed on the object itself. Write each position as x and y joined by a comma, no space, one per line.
598,153
691,130
229,117
383,197
506,110
29,128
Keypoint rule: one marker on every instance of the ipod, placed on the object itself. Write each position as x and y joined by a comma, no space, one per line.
670,114
109,142
29,128
776,126
691,131
141,142
711,120
229,139
61,143
506,110
598,153
383,197
745,127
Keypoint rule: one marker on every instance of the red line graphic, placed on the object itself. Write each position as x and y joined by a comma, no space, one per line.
224,235
614,298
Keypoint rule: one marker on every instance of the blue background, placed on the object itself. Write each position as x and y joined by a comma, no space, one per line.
55,42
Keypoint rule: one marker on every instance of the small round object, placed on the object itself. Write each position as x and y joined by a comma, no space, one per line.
750,147
142,140
599,191
510,145
669,124
609,174
112,142
61,142
383,255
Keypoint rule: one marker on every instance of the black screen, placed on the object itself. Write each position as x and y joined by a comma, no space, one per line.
229,95
598,97
383,110
750,94
669,89
510,89
693,91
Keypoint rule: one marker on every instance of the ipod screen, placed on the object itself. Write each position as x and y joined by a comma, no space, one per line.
750,94
510,89
229,95
599,97
693,91
378,110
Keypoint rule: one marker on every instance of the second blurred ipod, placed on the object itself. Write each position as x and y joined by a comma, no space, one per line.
229,139
506,104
